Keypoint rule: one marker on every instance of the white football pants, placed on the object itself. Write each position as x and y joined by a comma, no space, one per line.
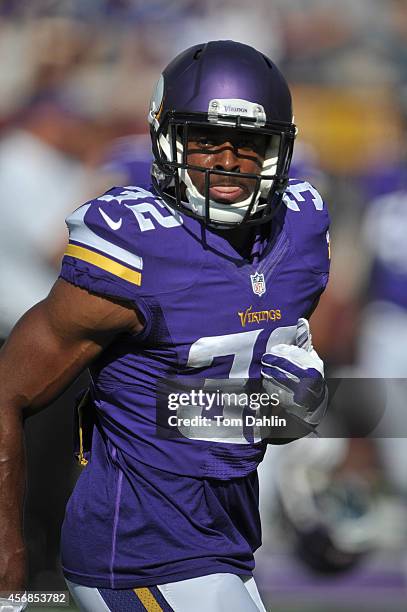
213,593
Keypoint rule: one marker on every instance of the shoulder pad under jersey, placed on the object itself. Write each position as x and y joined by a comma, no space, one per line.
307,222
113,237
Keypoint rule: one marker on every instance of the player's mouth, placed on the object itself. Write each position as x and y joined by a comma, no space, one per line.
227,194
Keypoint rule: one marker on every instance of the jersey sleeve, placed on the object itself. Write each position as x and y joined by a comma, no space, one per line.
308,224
103,255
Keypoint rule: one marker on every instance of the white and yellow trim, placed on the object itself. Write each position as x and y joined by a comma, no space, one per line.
103,262
81,233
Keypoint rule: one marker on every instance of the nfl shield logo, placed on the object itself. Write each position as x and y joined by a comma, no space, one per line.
258,283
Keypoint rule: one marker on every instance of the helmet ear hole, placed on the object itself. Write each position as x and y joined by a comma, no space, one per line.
197,54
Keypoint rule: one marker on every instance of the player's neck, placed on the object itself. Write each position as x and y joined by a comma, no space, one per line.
241,239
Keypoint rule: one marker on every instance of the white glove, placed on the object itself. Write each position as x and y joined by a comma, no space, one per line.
296,373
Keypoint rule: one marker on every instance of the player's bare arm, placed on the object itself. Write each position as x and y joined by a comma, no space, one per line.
49,347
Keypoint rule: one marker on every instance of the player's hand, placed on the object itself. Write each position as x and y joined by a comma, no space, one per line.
296,373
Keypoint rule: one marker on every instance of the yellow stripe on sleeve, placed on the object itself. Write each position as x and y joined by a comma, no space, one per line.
148,600
104,263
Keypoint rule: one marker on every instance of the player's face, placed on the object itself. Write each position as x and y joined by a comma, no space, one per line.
229,150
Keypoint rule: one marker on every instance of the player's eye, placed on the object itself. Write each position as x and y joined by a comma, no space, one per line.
246,144
207,141
251,144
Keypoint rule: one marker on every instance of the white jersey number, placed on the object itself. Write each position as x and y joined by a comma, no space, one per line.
296,195
241,347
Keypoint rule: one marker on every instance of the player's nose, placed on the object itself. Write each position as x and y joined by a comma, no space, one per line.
227,158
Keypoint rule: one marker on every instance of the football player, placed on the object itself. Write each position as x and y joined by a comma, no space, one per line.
210,273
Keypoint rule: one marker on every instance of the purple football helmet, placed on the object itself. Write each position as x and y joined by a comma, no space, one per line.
218,85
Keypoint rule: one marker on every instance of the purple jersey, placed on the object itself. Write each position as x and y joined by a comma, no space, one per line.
150,509
385,228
